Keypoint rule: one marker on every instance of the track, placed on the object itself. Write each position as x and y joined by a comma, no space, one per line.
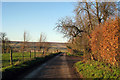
55,68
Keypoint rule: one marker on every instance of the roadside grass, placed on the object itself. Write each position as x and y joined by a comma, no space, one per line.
12,71
75,54
95,69
18,58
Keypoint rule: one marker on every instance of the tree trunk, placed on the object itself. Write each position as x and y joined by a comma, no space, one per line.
89,16
11,58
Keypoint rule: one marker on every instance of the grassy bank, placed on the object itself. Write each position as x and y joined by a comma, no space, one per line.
75,54
11,72
95,69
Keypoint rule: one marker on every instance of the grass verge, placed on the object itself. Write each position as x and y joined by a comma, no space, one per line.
95,69
75,54
12,72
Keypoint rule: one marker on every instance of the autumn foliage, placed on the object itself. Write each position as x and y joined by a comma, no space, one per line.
104,42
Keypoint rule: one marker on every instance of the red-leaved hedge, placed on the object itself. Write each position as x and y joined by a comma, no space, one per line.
104,42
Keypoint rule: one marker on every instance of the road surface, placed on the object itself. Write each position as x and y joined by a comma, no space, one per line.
58,67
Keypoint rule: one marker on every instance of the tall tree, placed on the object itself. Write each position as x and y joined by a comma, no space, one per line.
96,12
2,37
87,16
25,44
5,42
42,41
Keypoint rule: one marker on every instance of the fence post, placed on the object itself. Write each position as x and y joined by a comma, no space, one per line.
34,53
11,58
30,54
23,55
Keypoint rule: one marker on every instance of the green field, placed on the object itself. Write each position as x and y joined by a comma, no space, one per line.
17,58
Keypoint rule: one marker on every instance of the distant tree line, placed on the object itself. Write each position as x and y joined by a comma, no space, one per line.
10,47
24,46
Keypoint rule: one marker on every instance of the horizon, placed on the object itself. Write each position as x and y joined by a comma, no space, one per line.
40,42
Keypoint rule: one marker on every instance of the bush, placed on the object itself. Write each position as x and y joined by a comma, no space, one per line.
104,42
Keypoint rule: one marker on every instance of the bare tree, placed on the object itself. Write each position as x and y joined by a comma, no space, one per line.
2,37
42,41
5,42
25,44
96,11
87,16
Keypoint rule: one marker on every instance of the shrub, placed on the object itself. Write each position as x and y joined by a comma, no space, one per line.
104,42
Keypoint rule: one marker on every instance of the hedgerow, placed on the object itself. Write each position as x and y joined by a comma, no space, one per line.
104,42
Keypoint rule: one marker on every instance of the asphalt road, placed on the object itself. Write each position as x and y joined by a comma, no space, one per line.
58,67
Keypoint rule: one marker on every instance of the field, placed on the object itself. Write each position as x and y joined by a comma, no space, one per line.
17,58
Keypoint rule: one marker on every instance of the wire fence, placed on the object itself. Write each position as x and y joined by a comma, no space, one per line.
14,58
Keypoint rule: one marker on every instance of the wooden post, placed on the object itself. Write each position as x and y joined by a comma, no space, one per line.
11,61
30,54
43,51
34,53
23,55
